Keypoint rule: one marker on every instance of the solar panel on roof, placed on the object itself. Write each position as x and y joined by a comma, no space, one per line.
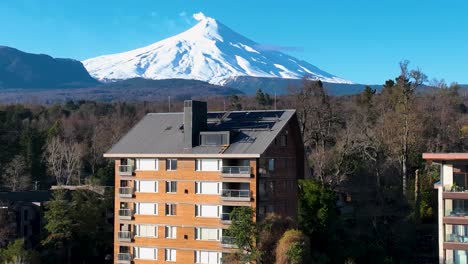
237,115
255,115
215,115
271,114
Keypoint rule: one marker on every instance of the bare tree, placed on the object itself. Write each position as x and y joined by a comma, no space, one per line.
16,176
63,160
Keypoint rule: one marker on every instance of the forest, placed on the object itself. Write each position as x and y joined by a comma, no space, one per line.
370,198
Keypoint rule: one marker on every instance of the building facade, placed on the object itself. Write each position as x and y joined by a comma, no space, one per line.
452,206
179,175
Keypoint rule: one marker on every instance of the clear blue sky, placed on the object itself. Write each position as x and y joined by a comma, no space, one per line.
359,40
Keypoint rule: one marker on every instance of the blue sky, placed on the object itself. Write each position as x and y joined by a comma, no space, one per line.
359,40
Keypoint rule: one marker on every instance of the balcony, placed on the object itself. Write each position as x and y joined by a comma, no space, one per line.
124,258
236,171
235,195
126,170
225,218
125,214
228,242
126,192
124,236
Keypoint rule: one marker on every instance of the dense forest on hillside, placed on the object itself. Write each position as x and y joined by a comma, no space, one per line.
370,199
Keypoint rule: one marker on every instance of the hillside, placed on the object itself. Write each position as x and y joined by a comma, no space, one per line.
19,69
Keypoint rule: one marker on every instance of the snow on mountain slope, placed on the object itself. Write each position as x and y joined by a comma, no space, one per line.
209,51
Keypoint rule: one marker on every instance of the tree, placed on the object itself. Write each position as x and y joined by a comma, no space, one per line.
63,160
7,224
401,122
319,218
59,224
15,253
318,123
293,248
17,177
244,230
271,229
234,103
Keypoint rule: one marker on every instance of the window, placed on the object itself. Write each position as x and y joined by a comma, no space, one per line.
214,138
207,210
25,212
146,230
146,186
147,208
170,254
207,187
170,209
147,164
145,253
203,233
208,164
171,164
283,140
171,186
171,232
271,164
207,257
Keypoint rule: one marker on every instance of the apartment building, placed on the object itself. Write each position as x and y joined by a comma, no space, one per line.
452,206
179,175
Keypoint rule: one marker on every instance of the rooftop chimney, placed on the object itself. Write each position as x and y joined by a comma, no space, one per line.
195,114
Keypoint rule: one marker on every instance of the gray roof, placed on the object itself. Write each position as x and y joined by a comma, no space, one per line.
160,134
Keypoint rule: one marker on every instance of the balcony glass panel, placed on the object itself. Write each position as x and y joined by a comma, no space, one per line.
456,208
456,256
126,170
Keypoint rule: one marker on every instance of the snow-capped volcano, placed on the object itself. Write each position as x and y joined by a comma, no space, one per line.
209,51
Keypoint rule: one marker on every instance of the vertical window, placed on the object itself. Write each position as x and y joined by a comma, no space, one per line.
171,164
170,254
170,209
25,212
283,140
171,186
171,232
271,164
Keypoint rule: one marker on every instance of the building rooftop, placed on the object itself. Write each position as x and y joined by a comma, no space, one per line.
445,156
162,134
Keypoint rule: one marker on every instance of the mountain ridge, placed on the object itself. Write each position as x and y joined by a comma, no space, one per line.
19,69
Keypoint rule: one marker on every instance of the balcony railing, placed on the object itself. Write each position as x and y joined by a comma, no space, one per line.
126,192
235,171
456,212
125,214
228,242
124,258
125,236
125,170
235,195
225,218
